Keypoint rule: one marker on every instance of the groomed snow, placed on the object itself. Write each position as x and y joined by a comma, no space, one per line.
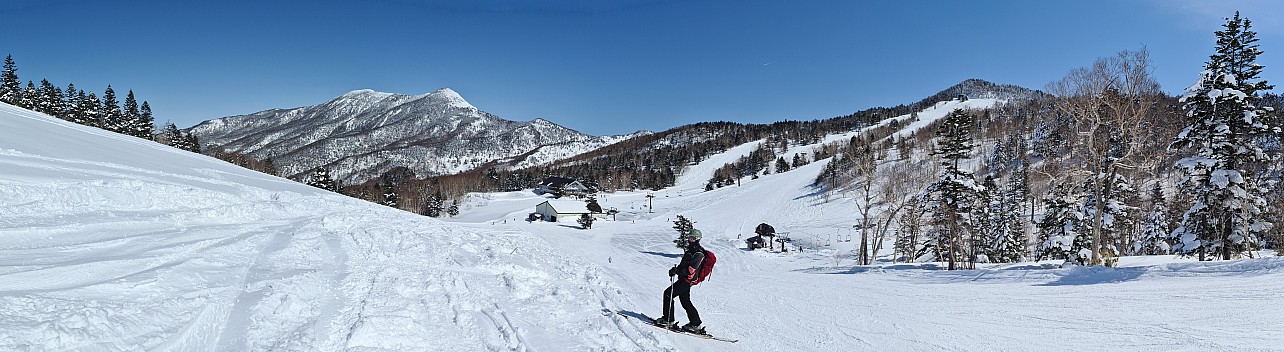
111,243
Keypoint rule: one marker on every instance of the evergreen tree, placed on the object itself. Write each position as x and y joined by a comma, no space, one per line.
71,107
1116,217
1155,238
1223,105
433,205
781,165
453,210
90,110
390,193
592,204
1058,229
954,196
10,86
586,221
109,112
683,226
146,123
319,178
49,99
132,119
193,143
30,96
1011,246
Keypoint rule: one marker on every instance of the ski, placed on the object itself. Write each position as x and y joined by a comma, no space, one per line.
649,321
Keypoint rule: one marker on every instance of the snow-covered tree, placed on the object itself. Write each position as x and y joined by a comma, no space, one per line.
390,196
146,122
592,204
30,96
1223,105
453,210
1057,228
90,110
109,112
585,221
1116,217
683,226
952,198
1155,238
10,86
433,206
1106,104
50,100
319,178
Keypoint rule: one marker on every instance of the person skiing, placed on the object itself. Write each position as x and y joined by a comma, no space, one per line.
687,271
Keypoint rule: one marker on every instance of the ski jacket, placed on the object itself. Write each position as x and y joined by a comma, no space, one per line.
692,262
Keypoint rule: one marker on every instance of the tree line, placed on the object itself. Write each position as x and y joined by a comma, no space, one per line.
87,108
1106,166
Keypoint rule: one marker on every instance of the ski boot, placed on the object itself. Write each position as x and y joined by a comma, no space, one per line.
694,329
667,323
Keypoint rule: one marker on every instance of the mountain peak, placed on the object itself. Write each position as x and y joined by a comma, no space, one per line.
451,97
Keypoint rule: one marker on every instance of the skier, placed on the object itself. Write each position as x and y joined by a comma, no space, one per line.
687,270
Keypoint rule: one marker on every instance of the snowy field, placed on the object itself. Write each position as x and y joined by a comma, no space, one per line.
109,243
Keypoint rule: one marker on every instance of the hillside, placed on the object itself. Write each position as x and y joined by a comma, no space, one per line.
112,243
362,134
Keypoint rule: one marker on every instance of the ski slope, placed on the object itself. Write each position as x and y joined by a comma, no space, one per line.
109,243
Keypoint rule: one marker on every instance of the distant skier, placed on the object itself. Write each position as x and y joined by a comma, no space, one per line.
690,271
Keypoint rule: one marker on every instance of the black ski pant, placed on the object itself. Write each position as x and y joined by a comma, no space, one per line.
682,291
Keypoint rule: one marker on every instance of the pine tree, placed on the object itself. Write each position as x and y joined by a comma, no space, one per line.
146,123
132,119
10,86
390,193
30,96
90,110
585,221
1011,247
1155,238
49,99
683,226
953,197
453,210
319,178
1116,216
71,106
1058,229
433,205
194,144
109,112
1227,218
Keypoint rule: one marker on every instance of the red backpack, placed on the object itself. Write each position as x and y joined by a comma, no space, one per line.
706,267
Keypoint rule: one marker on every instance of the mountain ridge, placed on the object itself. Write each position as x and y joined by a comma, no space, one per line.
364,133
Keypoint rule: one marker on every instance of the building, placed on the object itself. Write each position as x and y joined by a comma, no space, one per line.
561,186
559,210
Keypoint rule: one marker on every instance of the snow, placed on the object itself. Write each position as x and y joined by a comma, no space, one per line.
938,111
112,243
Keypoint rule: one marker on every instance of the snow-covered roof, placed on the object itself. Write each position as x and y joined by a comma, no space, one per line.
568,206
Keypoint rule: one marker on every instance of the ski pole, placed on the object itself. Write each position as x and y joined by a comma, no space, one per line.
668,299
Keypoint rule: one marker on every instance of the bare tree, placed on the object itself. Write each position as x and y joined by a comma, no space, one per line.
1107,103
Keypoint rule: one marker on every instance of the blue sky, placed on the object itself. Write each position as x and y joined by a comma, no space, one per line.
602,67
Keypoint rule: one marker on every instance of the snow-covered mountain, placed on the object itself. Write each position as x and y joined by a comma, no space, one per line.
364,133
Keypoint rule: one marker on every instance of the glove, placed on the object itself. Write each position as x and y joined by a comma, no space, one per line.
673,271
